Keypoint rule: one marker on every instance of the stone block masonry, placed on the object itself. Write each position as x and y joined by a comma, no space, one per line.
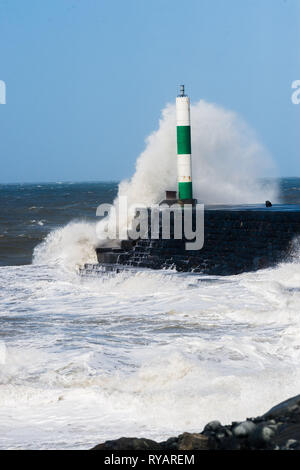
235,241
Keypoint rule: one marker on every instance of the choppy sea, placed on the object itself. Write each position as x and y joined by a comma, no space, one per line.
151,353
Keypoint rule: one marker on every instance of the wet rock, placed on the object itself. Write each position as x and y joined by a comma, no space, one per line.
244,429
171,443
213,426
129,443
261,437
279,428
267,433
292,444
194,441
284,408
286,431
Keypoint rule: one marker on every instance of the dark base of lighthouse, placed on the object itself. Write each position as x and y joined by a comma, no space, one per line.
235,241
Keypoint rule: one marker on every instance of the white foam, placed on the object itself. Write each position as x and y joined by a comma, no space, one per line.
147,354
2,352
151,353
70,246
228,161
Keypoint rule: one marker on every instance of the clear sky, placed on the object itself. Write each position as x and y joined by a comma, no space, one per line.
86,79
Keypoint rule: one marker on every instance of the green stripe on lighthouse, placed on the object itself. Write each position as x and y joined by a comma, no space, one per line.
183,140
185,190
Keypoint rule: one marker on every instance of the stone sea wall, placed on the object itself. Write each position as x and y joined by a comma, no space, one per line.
235,241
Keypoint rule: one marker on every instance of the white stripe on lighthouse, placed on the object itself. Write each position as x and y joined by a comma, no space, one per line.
183,111
184,171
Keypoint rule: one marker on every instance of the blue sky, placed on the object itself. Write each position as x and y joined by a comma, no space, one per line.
86,79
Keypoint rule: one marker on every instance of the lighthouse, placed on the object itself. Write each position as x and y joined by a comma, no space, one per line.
184,163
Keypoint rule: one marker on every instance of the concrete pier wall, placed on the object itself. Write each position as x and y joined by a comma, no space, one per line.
235,241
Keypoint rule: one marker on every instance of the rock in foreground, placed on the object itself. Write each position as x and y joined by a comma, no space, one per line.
279,428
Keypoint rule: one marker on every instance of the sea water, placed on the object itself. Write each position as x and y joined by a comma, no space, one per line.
150,353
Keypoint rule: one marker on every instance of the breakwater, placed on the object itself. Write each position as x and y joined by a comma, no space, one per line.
235,240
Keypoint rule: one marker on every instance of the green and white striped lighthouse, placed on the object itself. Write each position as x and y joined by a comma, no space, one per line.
184,164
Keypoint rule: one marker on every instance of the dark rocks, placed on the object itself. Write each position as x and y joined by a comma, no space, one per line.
213,426
129,443
244,429
261,437
194,441
284,408
278,429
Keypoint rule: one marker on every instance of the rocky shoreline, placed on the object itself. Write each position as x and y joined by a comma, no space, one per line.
278,429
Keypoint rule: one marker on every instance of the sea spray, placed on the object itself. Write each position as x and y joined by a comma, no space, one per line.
70,246
228,161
